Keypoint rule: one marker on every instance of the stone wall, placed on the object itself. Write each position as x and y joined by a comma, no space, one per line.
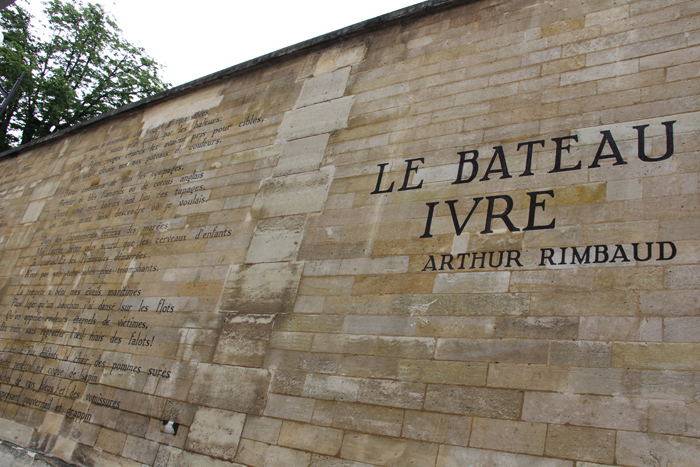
464,235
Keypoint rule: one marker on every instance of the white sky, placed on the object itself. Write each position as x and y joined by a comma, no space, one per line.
198,37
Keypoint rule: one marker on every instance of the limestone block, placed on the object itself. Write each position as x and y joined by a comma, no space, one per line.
45,188
647,450
614,303
583,444
393,284
276,239
670,303
244,339
674,418
479,402
309,304
431,371
190,459
287,382
566,280
232,388
291,341
258,454
420,305
315,119
368,366
492,350
309,323
341,343
216,433
650,384
138,449
15,432
325,461
682,277
289,407
301,361
341,55
110,441
438,428
616,413
601,328
537,328
33,211
339,388
179,412
392,393
380,325
472,282
508,435
292,194
387,451
405,347
493,304
310,438
477,327
453,456
262,288
326,285
581,353
682,329
302,155
368,418
653,356
358,305
323,88
386,265
533,377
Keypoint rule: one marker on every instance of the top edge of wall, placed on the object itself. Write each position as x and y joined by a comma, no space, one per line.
379,22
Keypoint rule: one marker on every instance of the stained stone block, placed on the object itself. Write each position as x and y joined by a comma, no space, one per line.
480,402
316,119
388,452
262,288
276,239
323,88
244,339
454,456
216,433
292,194
310,438
232,388
302,155
647,450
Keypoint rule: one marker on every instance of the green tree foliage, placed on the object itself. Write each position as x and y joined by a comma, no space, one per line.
77,67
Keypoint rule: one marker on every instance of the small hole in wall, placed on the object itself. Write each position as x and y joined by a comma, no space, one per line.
169,427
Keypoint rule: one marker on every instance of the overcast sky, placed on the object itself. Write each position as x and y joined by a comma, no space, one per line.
198,37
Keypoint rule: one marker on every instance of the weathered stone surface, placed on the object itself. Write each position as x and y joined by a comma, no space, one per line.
595,411
480,402
276,239
316,119
488,350
323,88
244,339
453,456
646,449
368,418
213,387
262,288
387,452
216,433
302,155
588,444
310,438
292,194
508,435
